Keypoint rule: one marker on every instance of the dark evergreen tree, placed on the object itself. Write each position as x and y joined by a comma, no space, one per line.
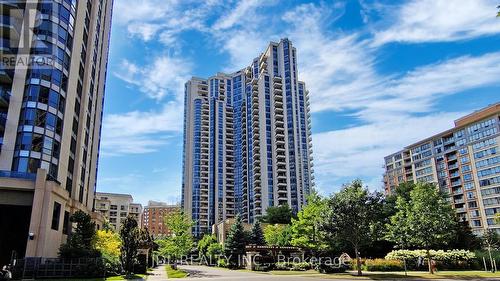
234,248
464,238
130,235
278,215
80,241
257,236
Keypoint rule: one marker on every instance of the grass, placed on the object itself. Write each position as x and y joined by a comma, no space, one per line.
464,275
175,273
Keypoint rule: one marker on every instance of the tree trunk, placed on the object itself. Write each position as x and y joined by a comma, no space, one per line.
491,259
431,269
358,261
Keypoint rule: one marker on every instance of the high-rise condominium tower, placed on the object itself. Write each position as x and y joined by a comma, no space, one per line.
463,162
247,140
54,57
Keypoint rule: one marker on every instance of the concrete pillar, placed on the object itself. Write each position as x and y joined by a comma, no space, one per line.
39,214
251,260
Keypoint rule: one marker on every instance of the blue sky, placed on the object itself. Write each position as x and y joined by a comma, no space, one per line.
381,75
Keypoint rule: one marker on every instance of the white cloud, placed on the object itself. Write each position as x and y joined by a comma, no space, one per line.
440,20
140,132
340,73
238,15
360,151
165,75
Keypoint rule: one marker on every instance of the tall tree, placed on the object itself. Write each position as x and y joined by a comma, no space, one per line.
278,235
130,235
256,235
234,247
463,237
350,216
491,241
180,241
204,243
398,229
278,214
305,228
108,243
80,242
430,219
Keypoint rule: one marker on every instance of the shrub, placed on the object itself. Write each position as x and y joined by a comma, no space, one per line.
282,266
383,265
330,268
301,266
221,262
452,259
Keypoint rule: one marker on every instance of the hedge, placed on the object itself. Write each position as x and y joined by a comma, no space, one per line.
451,259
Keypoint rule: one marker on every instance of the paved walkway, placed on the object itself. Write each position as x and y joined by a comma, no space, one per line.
214,273
159,273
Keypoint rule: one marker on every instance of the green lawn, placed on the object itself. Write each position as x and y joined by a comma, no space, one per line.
175,273
412,275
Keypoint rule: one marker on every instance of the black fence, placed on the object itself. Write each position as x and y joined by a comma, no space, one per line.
31,268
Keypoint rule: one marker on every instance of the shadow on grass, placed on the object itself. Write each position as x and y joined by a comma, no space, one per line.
421,275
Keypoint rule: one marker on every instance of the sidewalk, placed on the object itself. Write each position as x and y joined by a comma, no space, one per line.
158,274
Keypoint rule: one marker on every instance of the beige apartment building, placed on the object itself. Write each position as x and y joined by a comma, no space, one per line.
117,207
153,217
463,162
50,119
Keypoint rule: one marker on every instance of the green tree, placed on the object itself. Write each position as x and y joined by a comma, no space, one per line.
278,235
430,219
214,251
350,216
491,241
80,243
130,236
234,247
305,228
278,214
463,237
204,243
256,235
108,243
398,229
180,241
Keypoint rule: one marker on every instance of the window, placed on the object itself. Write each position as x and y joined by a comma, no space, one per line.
66,225
56,213
114,207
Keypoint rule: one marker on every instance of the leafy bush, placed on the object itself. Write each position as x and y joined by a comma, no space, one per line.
301,266
330,268
221,262
282,266
452,259
383,265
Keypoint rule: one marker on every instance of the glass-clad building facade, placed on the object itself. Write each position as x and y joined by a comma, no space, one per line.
247,140
52,80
